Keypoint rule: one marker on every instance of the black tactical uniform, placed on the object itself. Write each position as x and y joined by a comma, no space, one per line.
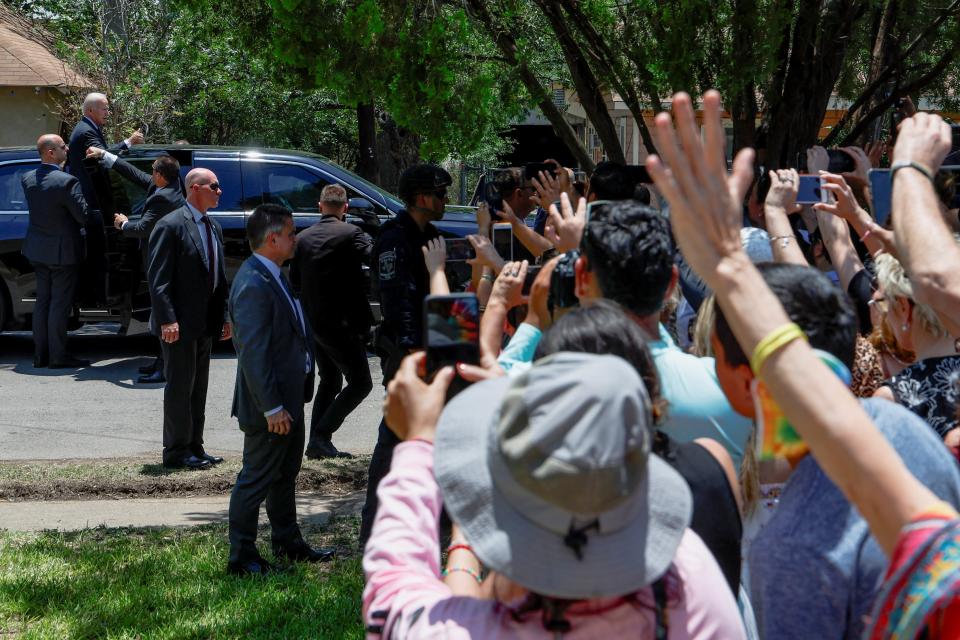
400,276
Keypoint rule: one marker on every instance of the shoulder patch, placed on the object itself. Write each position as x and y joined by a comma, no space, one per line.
388,265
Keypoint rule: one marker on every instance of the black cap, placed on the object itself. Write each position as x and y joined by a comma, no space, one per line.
422,178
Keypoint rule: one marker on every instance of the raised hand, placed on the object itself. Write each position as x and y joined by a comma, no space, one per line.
486,253
565,227
412,407
705,201
435,255
925,139
844,203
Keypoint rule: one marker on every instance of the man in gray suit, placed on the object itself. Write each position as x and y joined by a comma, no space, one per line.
274,379
54,246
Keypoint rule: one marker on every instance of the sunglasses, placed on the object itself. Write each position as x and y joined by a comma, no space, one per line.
441,194
214,186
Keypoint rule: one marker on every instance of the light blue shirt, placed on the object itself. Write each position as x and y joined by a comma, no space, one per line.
517,356
210,253
297,310
697,407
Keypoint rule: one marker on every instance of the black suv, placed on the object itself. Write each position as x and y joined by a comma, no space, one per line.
248,177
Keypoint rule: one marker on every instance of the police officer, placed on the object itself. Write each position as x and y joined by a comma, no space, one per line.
400,275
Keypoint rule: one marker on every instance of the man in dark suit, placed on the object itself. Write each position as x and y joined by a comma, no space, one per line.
274,379
54,246
327,269
165,193
188,292
95,182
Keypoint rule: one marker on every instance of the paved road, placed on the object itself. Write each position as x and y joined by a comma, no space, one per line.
100,412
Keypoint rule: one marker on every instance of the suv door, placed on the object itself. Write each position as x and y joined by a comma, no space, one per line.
18,284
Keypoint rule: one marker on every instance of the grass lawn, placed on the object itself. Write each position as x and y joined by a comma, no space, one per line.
171,583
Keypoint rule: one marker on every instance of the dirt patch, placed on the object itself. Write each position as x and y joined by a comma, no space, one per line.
143,477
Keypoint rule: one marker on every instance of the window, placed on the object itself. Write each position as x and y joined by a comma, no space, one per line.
11,190
227,171
291,186
559,98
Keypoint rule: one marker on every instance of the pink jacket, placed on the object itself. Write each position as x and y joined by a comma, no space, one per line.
406,598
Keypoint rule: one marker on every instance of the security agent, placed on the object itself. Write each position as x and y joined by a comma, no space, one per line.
400,275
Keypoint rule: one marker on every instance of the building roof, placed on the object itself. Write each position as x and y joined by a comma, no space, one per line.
26,58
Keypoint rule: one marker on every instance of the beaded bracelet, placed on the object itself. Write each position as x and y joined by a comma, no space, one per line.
467,570
774,341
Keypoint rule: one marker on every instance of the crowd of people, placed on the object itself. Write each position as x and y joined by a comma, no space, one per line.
717,413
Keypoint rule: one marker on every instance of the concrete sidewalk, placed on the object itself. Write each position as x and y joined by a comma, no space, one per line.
72,515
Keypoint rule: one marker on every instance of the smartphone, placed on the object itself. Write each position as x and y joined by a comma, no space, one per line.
840,161
533,169
451,334
532,271
144,128
503,240
809,191
459,249
881,191
639,174
491,193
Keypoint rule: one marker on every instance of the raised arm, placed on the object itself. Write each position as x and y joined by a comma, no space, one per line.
706,220
926,246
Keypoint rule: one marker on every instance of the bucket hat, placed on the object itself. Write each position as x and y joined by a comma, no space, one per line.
549,475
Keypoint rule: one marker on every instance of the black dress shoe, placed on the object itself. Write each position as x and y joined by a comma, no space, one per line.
70,362
190,462
302,552
154,378
209,458
325,449
255,567
150,368
40,363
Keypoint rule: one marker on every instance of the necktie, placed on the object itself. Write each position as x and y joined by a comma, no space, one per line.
293,300
212,253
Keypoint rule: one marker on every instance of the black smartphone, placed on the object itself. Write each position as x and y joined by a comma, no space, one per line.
503,240
144,128
533,169
809,191
532,271
563,285
492,195
881,193
839,161
451,334
459,249
639,174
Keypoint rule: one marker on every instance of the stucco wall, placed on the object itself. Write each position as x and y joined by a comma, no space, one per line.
25,115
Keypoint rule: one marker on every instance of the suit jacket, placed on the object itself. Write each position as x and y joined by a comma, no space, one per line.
327,268
271,347
58,212
159,202
94,179
177,276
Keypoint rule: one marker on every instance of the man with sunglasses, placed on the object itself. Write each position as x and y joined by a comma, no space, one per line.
54,246
401,279
188,294
165,193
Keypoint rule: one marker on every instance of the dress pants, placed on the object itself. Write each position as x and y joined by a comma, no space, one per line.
271,463
340,354
186,366
56,288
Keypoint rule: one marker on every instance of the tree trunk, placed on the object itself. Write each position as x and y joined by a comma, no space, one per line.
588,88
367,165
508,46
743,105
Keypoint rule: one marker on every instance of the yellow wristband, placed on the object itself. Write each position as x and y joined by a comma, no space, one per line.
775,340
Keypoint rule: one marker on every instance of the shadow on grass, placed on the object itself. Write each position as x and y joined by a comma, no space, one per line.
171,583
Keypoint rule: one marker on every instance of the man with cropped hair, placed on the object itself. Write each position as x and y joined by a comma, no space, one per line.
327,269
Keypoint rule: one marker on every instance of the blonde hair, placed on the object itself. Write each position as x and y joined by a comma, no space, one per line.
894,281
703,327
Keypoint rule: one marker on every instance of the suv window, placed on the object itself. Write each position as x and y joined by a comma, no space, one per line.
228,175
11,190
296,188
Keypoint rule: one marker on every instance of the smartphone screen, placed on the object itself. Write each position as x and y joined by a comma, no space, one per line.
882,194
451,330
809,190
503,240
532,272
459,249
